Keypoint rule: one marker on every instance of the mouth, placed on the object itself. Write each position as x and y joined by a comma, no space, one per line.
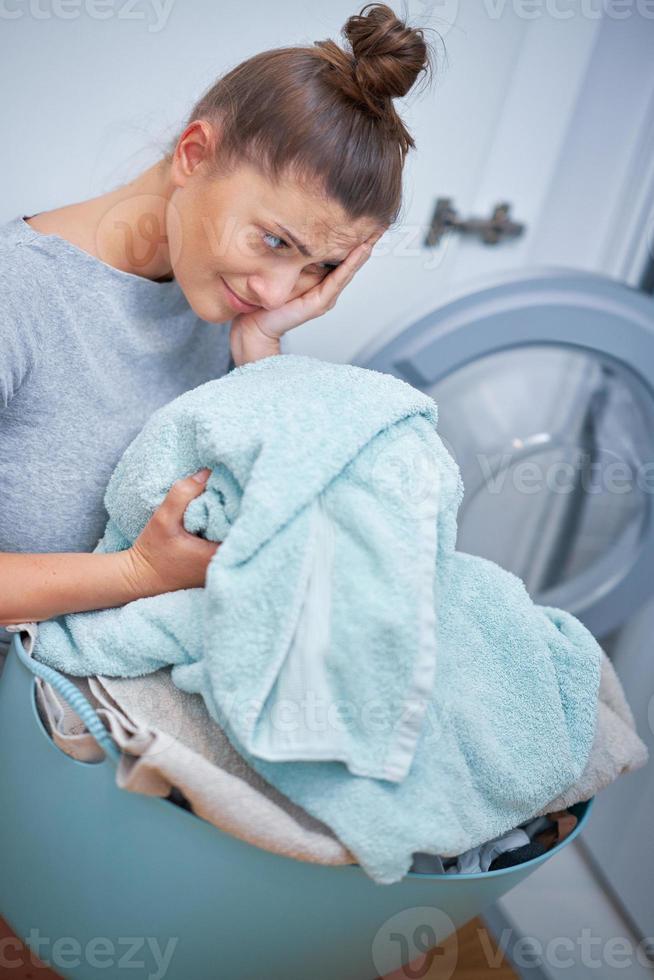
236,301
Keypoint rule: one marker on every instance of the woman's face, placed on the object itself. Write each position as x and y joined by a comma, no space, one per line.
237,231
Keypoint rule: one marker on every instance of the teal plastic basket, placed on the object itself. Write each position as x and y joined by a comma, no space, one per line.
95,878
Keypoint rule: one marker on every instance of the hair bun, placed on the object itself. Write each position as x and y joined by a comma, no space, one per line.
387,55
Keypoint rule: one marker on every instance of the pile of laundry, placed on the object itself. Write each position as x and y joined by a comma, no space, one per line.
373,694
172,748
529,840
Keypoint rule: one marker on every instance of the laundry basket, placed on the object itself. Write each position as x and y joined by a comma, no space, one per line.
122,879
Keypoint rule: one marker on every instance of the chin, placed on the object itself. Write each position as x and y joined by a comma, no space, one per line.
210,308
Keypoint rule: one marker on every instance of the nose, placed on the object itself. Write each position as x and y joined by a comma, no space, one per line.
273,289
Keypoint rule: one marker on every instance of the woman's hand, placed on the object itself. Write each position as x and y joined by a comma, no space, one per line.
256,335
165,557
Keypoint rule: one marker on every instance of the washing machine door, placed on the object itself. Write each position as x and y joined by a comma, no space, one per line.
544,383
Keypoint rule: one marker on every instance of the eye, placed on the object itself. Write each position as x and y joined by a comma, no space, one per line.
321,266
269,234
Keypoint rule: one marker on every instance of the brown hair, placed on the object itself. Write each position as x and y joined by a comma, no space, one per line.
324,114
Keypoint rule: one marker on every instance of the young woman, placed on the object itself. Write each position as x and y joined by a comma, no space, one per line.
287,171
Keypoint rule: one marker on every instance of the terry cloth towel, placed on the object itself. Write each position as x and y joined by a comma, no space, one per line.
330,489
499,694
169,741
616,749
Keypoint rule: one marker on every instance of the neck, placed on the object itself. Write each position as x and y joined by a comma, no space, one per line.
130,224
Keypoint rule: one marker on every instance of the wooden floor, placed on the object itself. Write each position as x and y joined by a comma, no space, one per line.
470,954
16,961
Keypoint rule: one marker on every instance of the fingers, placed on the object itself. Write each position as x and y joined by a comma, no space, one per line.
357,257
205,546
334,283
376,235
181,492
323,296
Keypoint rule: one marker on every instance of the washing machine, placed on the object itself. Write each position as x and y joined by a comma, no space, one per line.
544,382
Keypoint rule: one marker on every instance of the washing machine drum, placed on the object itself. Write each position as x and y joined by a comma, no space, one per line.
545,390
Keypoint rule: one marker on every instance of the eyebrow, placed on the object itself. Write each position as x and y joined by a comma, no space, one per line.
303,249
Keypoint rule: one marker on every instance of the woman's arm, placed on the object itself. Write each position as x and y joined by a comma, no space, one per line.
163,558
40,586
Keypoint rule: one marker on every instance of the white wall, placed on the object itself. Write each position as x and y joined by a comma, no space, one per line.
88,102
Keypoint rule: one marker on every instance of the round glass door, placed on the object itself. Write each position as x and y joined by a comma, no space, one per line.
544,382
556,450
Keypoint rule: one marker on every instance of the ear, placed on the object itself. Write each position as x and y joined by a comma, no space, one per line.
196,148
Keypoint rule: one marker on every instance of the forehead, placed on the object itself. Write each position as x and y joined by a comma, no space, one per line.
303,208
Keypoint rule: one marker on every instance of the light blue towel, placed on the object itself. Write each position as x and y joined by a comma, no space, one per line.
315,635
411,697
